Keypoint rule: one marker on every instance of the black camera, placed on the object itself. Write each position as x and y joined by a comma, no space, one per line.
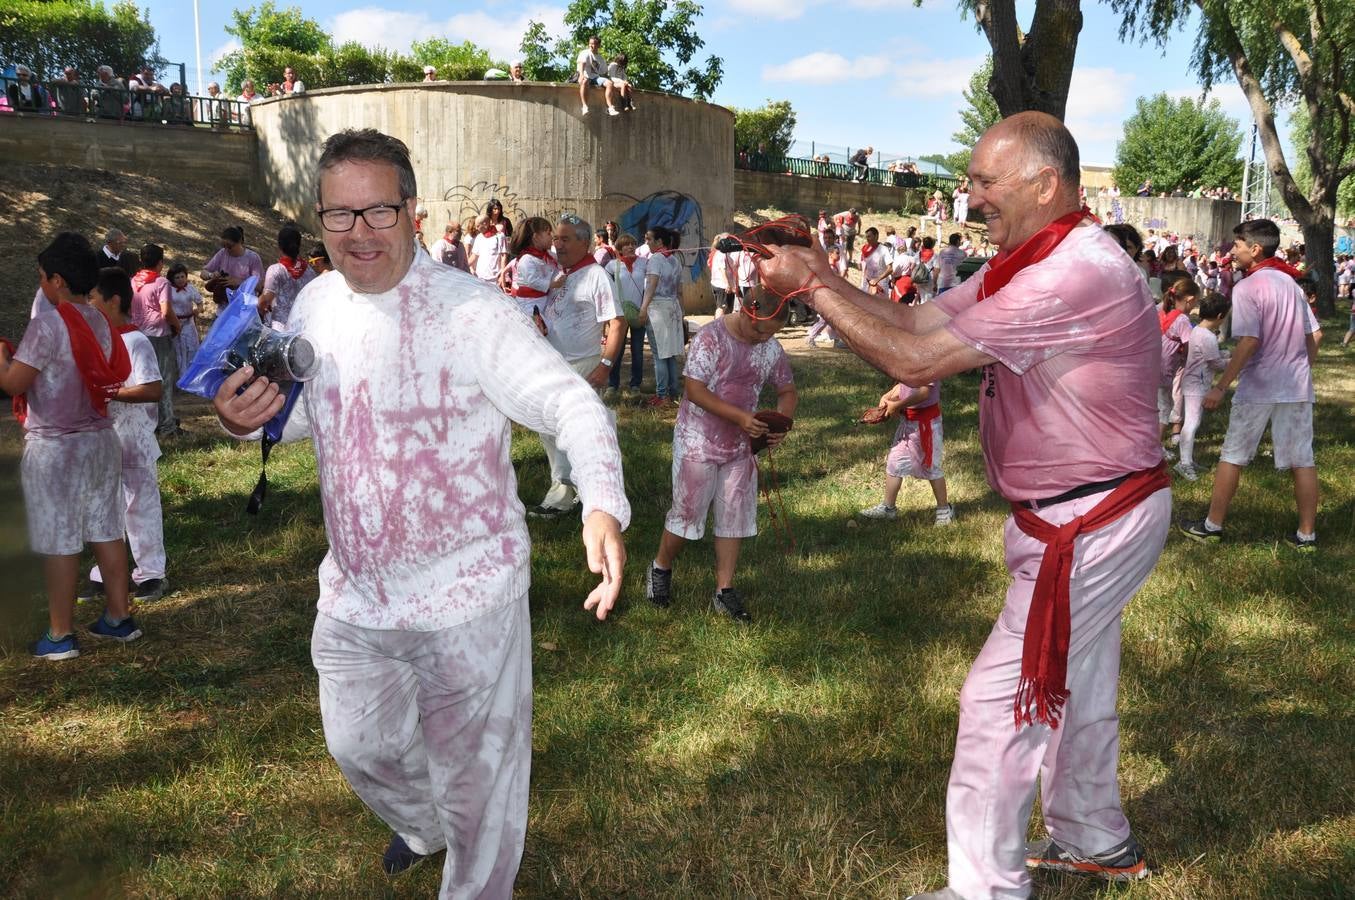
275,355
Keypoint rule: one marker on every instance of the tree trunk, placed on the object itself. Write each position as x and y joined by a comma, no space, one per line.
1319,233
1031,71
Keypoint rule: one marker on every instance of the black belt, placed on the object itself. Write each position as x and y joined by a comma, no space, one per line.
1082,490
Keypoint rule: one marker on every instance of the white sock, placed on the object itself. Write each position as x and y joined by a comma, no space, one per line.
659,567
1210,526
1311,536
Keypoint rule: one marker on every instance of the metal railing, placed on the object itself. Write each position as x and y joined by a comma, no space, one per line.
97,102
754,161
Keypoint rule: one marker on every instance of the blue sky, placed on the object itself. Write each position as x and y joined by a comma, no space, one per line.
877,72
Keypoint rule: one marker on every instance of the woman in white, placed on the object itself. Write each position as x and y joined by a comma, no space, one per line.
961,202
661,313
628,277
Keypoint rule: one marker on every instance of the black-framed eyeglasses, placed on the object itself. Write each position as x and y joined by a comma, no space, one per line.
377,217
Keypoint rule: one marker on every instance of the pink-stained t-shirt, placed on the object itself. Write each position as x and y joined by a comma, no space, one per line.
409,413
1072,398
735,372
1269,306
135,422
574,313
1203,360
58,403
146,312
285,289
1175,340
242,266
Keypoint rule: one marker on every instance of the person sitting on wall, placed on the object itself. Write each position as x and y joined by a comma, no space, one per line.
861,162
616,74
25,94
515,73
290,83
430,73
589,69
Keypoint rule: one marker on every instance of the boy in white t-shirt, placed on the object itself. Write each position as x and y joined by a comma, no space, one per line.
1203,360
134,416
591,70
1277,337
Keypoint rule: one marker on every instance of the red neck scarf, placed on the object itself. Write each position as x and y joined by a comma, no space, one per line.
1004,267
295,267
868,249
1274,262
587,260
102,377
1043,687
542,255
126,329
1166,319
628,262
143,278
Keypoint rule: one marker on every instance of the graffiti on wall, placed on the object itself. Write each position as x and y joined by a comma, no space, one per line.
466,200
1116,212
669,209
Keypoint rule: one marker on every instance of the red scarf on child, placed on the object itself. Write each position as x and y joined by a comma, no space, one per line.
102,377
1043,687
1004,267
1274,262
867,249
143,278
1166,319
295,267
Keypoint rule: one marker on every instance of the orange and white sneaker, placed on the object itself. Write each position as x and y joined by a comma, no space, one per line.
1123,862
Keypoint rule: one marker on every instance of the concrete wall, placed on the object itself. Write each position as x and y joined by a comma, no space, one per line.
668,162
807,195
1210,221
193,155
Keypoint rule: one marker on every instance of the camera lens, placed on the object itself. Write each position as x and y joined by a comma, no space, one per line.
301,359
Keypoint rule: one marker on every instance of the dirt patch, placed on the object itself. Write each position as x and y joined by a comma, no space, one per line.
185,219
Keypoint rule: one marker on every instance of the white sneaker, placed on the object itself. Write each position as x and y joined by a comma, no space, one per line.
945,515
1186,472
583,110
613,111
880,511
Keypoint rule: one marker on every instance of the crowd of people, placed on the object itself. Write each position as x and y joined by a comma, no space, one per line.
423,595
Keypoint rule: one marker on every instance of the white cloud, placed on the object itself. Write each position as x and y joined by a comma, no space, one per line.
1231,100
933,78
827,68
1099,100
374,26
214,58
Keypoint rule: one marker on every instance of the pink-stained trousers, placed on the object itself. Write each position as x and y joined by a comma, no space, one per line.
992,779
433,730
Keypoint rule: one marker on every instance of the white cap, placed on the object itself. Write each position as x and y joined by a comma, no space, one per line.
429,70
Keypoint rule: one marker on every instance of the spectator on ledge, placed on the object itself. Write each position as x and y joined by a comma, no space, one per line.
589,69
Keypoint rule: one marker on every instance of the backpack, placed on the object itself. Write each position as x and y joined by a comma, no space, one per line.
922,274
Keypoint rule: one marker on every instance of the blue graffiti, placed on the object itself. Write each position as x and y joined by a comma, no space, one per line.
1116,212
1344,244
669,209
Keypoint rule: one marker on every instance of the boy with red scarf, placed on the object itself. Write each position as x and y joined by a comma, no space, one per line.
1064,328
1277,338
153,313
133,415
68,366
916,450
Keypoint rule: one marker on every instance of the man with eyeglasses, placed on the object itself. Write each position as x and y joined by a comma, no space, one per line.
422,639
575,314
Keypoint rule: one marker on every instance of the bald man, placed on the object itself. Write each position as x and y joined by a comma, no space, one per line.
1063,327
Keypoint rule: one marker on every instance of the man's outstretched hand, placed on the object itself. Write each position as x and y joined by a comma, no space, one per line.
606,557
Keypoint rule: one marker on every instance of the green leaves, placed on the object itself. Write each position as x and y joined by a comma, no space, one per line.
770,127
659,38
48,36
1179,144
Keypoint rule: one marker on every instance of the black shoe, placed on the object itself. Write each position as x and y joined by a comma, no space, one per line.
150,590
1124,862
1195,530
93,590
1303,545
730,602
398,856
659,586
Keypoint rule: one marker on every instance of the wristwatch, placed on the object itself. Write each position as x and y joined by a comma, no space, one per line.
606,362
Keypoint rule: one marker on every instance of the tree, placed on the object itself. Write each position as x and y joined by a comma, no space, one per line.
1279,51
659,38
771,127
454,62
48,35
1303,171
1032,68
978,115
1179,144
271,39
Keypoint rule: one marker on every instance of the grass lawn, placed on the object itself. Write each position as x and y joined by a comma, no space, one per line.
676,754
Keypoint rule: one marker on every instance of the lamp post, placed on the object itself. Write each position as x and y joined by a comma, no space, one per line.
197,44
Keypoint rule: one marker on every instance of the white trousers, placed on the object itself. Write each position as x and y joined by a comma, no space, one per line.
145,523
992,780
560,469
1191,417
433,730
